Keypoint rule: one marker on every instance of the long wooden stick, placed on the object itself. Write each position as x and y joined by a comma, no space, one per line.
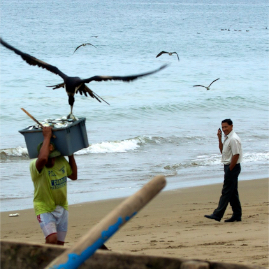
73,257
35,119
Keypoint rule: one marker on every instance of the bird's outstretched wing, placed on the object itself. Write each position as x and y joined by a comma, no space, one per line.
85,44
122,78
199,86
77,48
34,61
83,89
161,53
176,54
213,82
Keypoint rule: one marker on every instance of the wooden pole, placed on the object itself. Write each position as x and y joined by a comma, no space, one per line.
34,119
73,257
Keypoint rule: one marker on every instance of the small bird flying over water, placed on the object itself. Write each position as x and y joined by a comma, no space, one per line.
74,85
85,44
208,87
170,53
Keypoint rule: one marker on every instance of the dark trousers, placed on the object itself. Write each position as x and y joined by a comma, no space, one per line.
229,192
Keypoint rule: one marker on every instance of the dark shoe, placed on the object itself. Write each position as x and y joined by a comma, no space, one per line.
232,219
212,216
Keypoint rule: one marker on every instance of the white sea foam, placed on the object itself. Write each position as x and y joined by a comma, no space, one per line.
14,152
212,159
255,157
215,159
103,147
109,147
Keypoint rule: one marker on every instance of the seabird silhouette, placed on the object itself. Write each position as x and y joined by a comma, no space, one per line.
74,85
170,53
208,87
85,44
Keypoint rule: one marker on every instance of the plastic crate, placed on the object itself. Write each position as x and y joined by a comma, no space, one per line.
68,139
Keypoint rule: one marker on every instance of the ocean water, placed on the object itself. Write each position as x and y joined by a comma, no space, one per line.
159,124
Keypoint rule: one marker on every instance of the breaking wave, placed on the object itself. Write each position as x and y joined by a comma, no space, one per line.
215,159
103,147
13,152
109,147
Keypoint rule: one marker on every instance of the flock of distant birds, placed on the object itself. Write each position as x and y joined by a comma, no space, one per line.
228,29
75,85
234,30
158,55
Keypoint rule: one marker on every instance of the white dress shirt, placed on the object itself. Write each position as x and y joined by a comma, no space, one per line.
231,147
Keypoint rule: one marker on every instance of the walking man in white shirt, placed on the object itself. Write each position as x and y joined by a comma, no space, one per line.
231,150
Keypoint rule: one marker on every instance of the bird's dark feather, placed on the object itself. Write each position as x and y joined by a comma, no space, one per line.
85,44
176,54
34,61
161,53
61,85
86,90
208,85
213,82
121,78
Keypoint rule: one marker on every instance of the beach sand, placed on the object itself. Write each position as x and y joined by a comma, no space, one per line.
172,225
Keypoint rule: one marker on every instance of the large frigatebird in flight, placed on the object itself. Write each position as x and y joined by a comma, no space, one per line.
74,85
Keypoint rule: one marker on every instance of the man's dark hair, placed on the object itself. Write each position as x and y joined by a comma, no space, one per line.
229,121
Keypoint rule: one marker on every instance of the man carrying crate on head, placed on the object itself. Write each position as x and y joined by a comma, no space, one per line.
49,174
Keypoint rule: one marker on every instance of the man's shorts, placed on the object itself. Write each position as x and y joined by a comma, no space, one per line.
55,222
